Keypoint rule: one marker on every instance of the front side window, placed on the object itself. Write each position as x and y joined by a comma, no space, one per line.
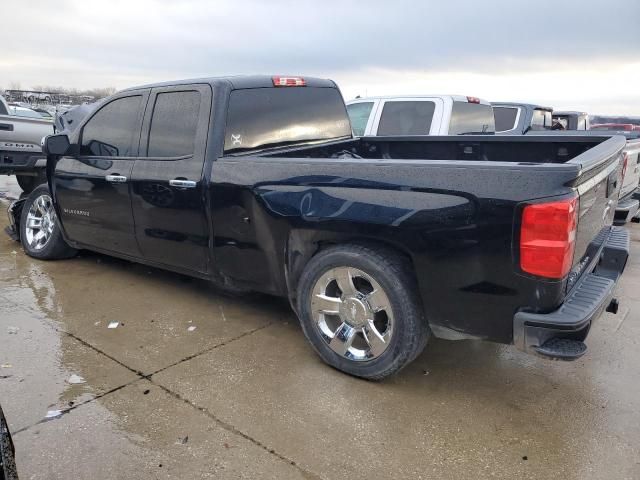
471,118
359,115
406,118
113,130
174,124
505,118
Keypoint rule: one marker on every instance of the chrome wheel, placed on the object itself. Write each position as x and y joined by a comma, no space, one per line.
352,313
41,220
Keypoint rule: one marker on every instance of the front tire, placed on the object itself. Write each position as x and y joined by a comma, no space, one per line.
360,310
40,233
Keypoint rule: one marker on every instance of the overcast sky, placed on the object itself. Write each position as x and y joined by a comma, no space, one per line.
563,53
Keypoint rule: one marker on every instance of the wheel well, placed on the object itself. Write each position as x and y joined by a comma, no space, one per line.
302,250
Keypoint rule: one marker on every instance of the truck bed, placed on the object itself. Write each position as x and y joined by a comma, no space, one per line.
20,139
451,203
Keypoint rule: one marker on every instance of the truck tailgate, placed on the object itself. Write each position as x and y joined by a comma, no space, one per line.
598,187
21,134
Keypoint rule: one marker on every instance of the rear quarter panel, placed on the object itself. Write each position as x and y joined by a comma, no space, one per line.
454,220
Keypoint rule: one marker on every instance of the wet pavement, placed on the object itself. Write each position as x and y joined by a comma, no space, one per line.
243,396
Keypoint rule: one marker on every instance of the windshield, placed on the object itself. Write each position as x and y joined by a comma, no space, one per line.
260,118
468,118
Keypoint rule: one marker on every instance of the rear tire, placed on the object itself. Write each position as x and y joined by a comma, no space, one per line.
29,182
40,233
360,310
8,469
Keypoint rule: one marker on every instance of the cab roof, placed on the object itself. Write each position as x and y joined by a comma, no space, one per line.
522,105
569,112
455,98
238,82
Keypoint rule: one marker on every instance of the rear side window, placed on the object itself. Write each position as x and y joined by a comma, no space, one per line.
260,118
113,132
541,120
406,118
505,118
471,118
3,110
359,115
173,124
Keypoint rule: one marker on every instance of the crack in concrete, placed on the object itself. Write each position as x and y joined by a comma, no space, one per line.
74,406
232,429
102,352
207,350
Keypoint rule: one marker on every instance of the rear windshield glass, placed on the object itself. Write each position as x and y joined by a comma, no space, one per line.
541,120
470,118
260,118
406,118
505,118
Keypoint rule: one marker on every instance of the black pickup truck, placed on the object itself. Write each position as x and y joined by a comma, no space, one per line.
257,184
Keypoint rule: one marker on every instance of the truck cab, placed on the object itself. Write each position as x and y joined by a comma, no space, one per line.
420,115
571,120
519,118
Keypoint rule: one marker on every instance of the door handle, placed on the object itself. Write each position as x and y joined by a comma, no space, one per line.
115,178
176,182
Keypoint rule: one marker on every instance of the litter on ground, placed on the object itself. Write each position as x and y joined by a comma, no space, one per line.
76,379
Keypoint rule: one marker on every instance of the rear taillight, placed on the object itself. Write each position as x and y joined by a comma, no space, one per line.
473,100
288,82
625,162
548,238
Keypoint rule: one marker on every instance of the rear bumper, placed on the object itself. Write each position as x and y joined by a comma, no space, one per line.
627,209
586,302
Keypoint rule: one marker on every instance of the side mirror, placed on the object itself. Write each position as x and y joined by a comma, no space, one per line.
55,144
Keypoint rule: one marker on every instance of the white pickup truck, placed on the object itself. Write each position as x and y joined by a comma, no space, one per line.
20,150
420,115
